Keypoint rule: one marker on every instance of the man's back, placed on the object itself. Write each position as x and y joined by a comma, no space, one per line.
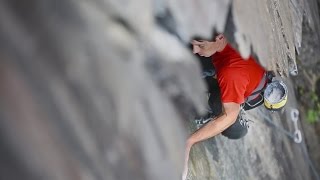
237,77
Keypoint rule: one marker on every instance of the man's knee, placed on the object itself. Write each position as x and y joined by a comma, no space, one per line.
235,131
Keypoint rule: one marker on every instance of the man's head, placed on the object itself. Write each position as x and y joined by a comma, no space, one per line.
208,48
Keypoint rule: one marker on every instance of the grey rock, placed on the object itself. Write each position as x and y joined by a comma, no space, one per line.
89,92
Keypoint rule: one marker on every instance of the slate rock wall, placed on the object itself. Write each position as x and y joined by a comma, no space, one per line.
92,90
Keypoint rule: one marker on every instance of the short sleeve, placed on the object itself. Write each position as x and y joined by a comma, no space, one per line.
233,88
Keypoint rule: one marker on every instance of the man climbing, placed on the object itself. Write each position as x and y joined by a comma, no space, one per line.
236,80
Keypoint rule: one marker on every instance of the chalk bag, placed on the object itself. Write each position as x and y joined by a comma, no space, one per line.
275,95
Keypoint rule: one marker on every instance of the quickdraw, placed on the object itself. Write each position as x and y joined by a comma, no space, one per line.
297,133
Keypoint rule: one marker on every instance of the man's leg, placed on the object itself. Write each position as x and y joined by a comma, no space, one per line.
237,130
214,103
214,100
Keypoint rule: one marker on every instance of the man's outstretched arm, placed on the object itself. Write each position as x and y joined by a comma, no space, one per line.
215,127
211,129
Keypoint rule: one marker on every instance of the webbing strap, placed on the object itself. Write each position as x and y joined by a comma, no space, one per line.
259,88
267,78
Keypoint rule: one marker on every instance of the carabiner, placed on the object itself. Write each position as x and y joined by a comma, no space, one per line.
297,136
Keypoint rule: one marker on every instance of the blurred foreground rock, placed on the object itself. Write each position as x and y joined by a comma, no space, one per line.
92,90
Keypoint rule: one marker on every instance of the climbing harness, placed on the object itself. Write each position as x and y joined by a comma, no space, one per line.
244,120
255,99
270,92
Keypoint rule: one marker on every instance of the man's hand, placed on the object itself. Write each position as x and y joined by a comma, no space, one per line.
207,48
186,159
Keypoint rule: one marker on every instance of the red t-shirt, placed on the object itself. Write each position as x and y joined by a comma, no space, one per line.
237,77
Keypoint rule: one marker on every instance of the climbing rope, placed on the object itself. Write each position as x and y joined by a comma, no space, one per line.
287,133
296,136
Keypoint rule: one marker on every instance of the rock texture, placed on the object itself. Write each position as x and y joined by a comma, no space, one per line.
103,89
307,87
274,29
92,90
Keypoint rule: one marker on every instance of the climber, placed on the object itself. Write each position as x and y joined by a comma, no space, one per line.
239,84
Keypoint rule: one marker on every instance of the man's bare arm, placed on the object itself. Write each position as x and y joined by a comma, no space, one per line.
215,127
211,129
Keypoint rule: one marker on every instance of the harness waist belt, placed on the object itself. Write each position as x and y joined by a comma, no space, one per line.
259,88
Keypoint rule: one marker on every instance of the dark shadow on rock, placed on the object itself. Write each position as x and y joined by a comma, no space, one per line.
168,23
230,29
318,87
212,147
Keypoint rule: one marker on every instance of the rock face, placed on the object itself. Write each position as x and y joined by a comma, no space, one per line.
274,29
103,89
92,90
307,88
